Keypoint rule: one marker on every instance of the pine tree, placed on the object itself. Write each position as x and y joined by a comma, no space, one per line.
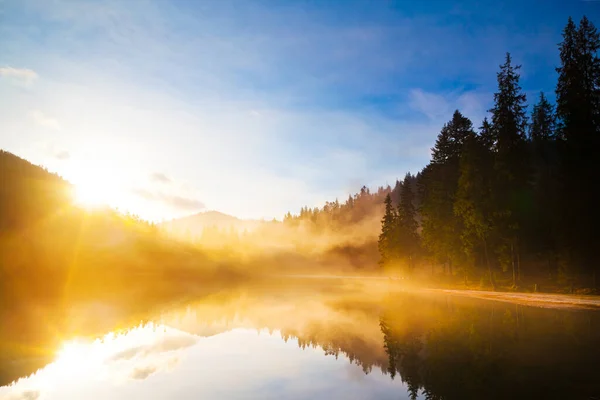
438,184
578,87
578,113
509,119
511,167
474,201
543,223
486,135
543,121
407,225
386,242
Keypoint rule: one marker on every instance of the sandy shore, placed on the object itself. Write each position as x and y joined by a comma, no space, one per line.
530,299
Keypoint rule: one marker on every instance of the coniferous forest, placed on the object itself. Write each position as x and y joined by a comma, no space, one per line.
514,198
476,276
509,201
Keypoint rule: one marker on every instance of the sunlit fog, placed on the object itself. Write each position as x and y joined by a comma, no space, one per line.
257,199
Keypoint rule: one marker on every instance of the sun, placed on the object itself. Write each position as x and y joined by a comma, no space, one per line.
91,195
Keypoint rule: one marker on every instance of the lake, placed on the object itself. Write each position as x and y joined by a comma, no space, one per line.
307,339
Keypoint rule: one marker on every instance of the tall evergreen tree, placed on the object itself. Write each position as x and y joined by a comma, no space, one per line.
439,181
473,202
543,121
407,225
543,224
386,242
510,189
578,87
486,135
578,112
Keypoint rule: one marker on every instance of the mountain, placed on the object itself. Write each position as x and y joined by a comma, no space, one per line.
194,225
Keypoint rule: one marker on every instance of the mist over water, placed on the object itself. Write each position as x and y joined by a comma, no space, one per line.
328,338
475,276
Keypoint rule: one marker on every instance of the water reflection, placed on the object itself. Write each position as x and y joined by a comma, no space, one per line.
160,362
332,341
452,349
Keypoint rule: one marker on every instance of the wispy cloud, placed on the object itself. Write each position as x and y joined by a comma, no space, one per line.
141,373
166,344
159,177
19,75
25,395
309,100
63,155
440,106
174,201
43,120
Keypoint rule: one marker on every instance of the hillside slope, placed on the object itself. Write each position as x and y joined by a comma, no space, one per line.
62,266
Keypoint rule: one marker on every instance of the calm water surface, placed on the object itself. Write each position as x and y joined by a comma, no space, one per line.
330,342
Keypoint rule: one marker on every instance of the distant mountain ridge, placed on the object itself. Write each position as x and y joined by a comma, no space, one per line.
195,224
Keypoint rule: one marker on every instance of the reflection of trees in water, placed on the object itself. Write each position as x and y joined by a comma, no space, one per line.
443,347
440,347
358,351
491,351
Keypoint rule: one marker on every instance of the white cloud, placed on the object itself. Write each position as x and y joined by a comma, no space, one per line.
434,106
141,373
62,155
439,107
43,120
166,344
25,395
159,177
177,202
155,102
19,75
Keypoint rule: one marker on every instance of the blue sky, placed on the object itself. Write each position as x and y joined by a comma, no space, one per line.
255,108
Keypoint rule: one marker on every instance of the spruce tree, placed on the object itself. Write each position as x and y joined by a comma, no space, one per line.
407,225
473,203
438,184
386,242
542,230
543,121
511,167
578,113
486,135
578,87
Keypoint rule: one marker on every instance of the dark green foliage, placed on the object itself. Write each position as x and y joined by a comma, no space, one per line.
408,238
438,184
578,113
543,121
511,168
517,203
474,204
387,237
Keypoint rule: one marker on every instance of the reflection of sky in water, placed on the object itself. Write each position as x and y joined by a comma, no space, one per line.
163,363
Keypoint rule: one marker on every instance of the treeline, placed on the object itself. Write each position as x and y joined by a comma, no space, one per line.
514,202
336,215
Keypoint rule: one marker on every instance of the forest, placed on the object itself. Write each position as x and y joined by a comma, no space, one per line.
509,204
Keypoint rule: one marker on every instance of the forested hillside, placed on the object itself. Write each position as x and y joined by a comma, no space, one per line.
515,199
510,202
56,260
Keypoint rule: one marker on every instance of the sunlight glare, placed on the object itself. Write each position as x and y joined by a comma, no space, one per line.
91,196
